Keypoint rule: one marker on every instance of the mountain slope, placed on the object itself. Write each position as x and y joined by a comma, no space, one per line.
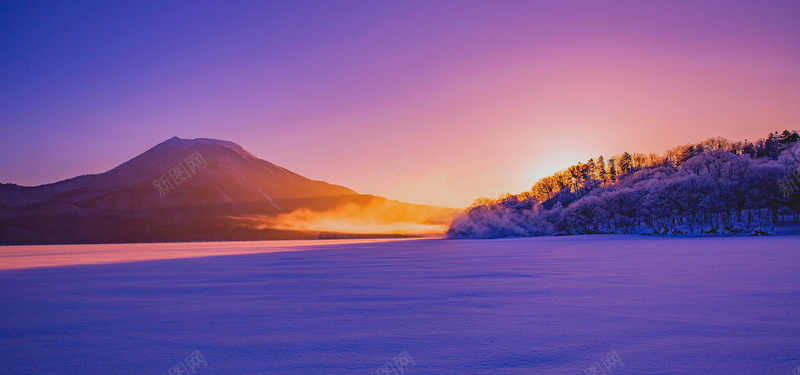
225,171
181,189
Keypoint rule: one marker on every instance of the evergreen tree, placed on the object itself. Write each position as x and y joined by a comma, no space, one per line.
612,170
625,163
601,169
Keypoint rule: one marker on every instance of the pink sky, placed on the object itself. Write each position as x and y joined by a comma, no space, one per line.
476,98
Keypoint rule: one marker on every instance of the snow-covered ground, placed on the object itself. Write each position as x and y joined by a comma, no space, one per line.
512,306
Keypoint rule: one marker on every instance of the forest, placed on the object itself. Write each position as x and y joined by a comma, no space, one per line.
715,187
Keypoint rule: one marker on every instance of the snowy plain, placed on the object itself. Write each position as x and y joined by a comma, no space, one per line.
549,305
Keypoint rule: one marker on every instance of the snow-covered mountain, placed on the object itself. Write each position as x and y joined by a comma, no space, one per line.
181,189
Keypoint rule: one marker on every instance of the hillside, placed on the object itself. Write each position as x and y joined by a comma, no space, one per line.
715,187
179,190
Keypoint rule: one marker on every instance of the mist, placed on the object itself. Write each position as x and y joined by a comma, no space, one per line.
379,216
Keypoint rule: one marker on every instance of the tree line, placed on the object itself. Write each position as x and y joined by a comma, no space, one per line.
712,187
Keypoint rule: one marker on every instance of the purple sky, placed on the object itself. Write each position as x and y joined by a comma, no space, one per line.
473,98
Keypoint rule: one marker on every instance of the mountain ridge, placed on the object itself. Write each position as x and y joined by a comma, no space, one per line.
174,188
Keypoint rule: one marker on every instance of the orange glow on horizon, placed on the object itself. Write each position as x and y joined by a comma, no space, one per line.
378,217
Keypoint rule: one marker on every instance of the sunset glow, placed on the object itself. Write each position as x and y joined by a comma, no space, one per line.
401,187
385,217
481,95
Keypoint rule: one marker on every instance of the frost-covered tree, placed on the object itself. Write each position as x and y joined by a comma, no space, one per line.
713,187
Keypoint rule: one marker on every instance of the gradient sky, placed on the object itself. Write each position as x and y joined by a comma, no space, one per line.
465,98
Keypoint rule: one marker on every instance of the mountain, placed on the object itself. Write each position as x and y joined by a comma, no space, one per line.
179,190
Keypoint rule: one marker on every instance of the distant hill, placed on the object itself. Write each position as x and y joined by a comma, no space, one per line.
714,187
179,190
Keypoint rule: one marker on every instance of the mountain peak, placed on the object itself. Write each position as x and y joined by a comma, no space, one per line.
206,141
177,190
229,174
